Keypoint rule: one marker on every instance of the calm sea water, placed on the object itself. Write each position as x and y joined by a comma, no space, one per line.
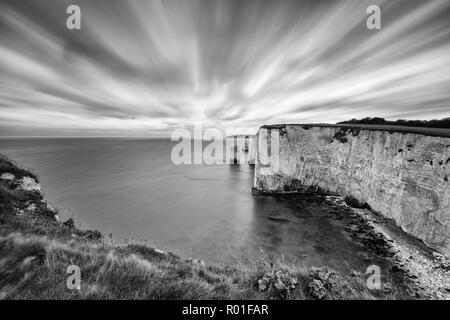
130,188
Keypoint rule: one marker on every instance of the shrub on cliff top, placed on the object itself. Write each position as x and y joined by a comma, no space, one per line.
436,123
7,166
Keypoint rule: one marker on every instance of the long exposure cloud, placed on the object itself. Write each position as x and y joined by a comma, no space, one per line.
148,67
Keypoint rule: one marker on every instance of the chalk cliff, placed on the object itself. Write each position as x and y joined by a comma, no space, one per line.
401,173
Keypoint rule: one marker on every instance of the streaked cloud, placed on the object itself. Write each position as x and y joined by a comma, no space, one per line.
148,67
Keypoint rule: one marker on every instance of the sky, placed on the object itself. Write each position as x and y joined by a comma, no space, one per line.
146,68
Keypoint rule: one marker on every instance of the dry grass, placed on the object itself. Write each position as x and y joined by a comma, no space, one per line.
35,267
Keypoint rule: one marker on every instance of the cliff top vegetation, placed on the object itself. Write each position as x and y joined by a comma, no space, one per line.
436,123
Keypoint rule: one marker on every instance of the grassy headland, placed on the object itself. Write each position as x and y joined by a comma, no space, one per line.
36,249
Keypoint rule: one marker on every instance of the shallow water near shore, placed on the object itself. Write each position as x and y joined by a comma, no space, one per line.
129,187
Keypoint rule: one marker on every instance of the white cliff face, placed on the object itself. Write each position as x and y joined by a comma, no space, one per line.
404,176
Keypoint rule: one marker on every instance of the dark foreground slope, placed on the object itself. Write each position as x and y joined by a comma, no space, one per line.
36,249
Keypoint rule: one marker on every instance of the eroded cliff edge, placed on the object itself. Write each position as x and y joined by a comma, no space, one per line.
402,174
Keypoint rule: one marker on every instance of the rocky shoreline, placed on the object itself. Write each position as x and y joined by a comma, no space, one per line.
407,264
426,270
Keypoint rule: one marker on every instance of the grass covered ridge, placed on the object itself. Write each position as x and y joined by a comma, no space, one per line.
36,249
